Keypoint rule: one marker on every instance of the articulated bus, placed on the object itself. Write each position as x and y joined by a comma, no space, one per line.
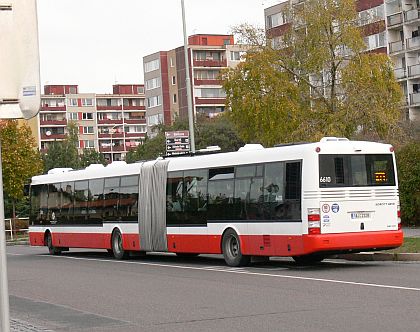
306,201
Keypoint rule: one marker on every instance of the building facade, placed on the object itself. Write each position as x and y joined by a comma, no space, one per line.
165,78
389,26
109,123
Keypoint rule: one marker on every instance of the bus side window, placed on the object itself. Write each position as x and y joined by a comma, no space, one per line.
195,197
81,202
54,202
272,202
129,193
174,198
293,191
96,201
67,204
38,204
111,199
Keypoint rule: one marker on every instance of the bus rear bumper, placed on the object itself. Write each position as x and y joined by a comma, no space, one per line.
352,242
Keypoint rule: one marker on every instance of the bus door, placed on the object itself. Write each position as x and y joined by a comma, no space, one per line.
152,206
358,193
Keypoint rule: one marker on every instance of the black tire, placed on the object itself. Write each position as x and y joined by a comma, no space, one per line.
51,249
117,245
231,247
310,259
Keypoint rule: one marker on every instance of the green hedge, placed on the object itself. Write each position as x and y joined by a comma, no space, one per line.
408,164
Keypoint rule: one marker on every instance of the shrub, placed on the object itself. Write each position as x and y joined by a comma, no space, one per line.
408,164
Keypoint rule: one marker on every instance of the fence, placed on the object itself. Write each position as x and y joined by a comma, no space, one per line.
16,228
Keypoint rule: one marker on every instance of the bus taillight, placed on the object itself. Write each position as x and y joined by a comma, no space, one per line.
314,221
399,217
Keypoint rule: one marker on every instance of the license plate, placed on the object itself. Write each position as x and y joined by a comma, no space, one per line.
360,215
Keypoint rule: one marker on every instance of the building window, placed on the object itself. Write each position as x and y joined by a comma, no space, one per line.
88,130
72,102
210,93
173,80
276,20
72,90
140,89
375,41
371,15
87,116
235,56
151,65
154,119
174,98
171,62
87,102
153,83
153,101
72,116
89,144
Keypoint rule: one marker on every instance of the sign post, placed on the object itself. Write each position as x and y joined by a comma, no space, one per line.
20,98
177,142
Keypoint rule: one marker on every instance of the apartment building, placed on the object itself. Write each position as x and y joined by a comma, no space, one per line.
109,123
165,78
389,26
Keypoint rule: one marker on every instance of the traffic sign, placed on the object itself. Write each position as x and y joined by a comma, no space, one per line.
177,142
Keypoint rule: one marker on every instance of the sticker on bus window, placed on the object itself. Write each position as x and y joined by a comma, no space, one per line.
325,208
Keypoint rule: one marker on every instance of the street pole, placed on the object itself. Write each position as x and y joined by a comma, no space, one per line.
4,294
188,83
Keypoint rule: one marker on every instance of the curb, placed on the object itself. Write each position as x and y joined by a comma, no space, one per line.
17,243
381,256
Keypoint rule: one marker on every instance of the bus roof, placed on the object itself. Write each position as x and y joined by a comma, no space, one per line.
250,155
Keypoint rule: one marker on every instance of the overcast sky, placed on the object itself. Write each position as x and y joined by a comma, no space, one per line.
97,43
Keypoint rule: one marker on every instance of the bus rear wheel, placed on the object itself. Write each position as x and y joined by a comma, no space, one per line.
117,245
231,247
309,259
51,249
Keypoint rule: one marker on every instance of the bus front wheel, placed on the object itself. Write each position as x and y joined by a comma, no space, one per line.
117,245
231,247
51,249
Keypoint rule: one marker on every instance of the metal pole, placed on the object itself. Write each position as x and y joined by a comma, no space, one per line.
188,82
4,294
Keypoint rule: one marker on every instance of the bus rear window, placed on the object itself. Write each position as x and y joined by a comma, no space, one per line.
356,170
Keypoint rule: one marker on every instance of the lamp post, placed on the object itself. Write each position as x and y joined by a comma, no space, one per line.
188,82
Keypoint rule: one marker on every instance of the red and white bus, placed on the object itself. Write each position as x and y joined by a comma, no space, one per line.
306,201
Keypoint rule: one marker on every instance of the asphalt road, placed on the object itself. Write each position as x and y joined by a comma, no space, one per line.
90,291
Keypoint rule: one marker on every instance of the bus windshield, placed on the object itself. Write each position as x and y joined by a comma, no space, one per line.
356,170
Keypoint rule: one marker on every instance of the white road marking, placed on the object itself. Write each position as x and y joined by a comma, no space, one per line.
241,271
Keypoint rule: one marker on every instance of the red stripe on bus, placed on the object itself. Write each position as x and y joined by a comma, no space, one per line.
258,245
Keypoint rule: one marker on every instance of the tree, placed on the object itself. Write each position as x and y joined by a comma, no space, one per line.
20,159
63,153
316,82
217,131
91,156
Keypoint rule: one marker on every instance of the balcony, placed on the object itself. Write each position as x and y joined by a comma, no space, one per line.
207,82
210,63
134,107
109,108
414,99
210,101
413,43
394,19
412,15
135,121
53,122
110,121
396,46
53,108
109,135
134,135
115,148
400,73
414,70
53,136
